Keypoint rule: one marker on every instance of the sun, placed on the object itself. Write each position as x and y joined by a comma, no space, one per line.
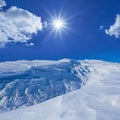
58,24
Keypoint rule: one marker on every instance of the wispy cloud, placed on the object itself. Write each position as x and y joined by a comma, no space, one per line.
101,27
2,4
115,28
30,44
17,25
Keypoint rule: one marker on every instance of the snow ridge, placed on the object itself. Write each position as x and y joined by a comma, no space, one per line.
98,99
25,83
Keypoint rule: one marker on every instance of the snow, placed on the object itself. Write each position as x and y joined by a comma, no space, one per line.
23,65
38,82
98,99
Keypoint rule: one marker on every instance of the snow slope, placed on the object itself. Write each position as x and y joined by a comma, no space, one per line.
98,99
25,83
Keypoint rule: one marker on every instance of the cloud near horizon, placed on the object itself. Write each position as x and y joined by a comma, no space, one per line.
115,28
17,25
2,4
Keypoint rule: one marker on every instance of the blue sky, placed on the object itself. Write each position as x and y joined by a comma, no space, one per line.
88,35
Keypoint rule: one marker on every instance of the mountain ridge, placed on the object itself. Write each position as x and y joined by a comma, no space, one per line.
98,98
32,82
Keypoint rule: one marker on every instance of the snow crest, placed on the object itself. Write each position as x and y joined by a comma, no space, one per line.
26,83
98,99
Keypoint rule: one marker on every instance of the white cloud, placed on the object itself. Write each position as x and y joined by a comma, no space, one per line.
115,28
45,24
101,27
2,4
18,25
30,44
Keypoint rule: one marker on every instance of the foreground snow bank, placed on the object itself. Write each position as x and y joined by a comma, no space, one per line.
26,83
99,99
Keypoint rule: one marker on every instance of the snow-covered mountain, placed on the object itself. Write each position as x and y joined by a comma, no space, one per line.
97,99
25,83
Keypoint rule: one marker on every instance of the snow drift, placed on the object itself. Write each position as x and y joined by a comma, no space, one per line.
97,99
25,83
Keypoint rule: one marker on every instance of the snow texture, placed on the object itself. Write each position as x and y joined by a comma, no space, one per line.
98,99
25,83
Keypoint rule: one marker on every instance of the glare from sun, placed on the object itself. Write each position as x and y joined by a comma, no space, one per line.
58,25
